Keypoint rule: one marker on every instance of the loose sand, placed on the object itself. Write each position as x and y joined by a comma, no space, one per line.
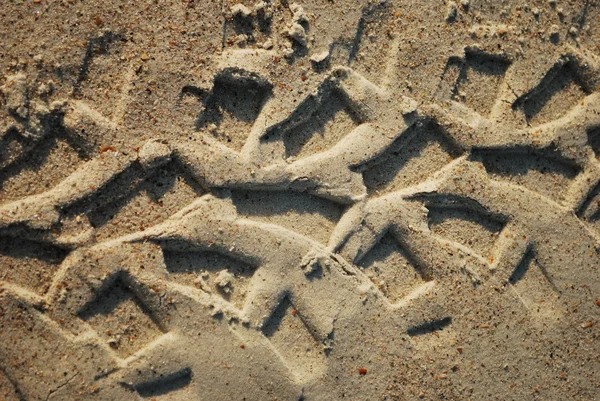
311,200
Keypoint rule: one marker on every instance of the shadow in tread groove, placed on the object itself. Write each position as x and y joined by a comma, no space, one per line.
429,327
276,318
325,127
25,249
410,159
594,140
541,173
590,209
232,107
209,271
182,262
112,210
522,267
561,84
464,225
28,263
290,335
480,70
166,384
95,46
299,212
392,269
121,317
40,167
9,390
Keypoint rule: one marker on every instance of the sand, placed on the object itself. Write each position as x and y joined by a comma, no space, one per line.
311,200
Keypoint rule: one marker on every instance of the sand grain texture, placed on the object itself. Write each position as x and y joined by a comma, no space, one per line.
310,200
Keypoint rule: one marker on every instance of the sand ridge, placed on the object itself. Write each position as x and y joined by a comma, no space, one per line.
312,209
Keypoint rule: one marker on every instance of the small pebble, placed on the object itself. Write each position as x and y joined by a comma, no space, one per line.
241,40
321,57
288,52
44,90
297,33
554,32
267,45
240,11
451,12
299,16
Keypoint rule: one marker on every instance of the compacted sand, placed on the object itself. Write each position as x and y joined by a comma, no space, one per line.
310,200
